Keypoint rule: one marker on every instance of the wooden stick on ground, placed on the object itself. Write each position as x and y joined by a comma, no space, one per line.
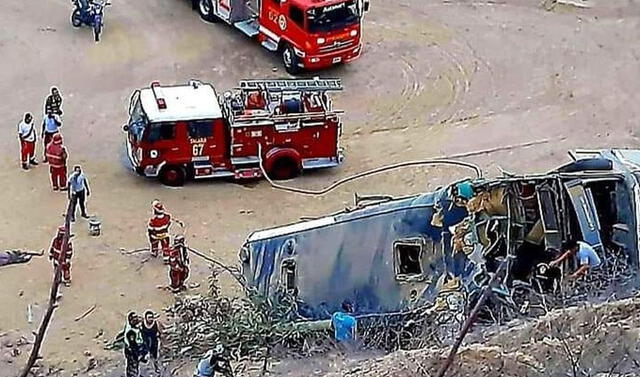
486,292
53,297
92,308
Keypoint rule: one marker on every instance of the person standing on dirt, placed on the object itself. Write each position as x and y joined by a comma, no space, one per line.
151,333
62,257
27,135
78,192
53,102
50,126
178,265
158,230
56,154
586,257
133,345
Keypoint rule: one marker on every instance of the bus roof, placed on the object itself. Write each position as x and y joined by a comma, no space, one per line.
181,102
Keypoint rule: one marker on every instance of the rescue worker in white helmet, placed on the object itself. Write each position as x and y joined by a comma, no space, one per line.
158,230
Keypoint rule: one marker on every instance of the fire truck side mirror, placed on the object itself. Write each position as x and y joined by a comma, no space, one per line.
365,6
125,128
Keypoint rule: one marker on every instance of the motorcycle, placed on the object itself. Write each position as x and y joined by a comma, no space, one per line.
93,16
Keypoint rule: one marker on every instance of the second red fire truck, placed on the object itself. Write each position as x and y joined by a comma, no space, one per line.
185,132
308,34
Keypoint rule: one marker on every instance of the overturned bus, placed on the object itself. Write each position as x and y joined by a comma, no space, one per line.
396,254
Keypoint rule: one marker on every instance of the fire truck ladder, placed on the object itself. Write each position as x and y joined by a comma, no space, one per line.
316,84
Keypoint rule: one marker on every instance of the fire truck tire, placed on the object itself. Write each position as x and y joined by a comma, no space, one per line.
284,168
290,60
173,176
205,9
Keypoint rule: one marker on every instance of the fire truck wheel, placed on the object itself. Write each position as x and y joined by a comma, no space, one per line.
284,168
173,176
205,9
290,60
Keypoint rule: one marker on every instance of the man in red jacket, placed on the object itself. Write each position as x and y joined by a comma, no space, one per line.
158,230
57,156
178,265
59,258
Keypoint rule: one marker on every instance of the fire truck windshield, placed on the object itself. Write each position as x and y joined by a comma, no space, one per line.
137,121
332,17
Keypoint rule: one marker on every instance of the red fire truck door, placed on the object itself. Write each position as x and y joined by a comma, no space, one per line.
207,141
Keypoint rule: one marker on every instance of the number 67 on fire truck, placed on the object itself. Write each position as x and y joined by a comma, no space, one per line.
281,127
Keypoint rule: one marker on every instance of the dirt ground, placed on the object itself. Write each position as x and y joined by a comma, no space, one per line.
436,78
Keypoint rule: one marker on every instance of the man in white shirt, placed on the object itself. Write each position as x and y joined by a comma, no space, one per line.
585,255
27,136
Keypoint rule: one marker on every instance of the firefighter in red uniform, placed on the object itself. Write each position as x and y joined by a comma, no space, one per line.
158,230
57,157
178,264
58,258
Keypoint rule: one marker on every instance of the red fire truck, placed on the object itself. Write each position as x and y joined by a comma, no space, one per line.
308,34
185,132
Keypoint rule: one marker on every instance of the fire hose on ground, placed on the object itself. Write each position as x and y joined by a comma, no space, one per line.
445,160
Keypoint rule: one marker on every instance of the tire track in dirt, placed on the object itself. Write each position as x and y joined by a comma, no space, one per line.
453,59
411,89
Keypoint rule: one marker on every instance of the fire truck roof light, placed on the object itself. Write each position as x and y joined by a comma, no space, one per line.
161,103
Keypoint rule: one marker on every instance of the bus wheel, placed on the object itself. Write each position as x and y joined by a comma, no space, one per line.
290,60
205,9
173,176
284,168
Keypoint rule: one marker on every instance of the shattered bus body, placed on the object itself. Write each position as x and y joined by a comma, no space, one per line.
398,254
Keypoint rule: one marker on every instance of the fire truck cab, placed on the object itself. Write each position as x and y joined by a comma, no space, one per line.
308,34
185,132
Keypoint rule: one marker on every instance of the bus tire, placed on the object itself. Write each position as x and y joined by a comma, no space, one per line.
205,9
290,60
172,176
284,168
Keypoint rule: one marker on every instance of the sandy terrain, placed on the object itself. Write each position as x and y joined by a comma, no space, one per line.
436,78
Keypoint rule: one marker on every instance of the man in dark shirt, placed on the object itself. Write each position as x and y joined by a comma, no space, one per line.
151,335
133,345
53,102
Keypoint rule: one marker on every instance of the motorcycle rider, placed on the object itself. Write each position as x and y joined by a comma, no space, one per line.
85,7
